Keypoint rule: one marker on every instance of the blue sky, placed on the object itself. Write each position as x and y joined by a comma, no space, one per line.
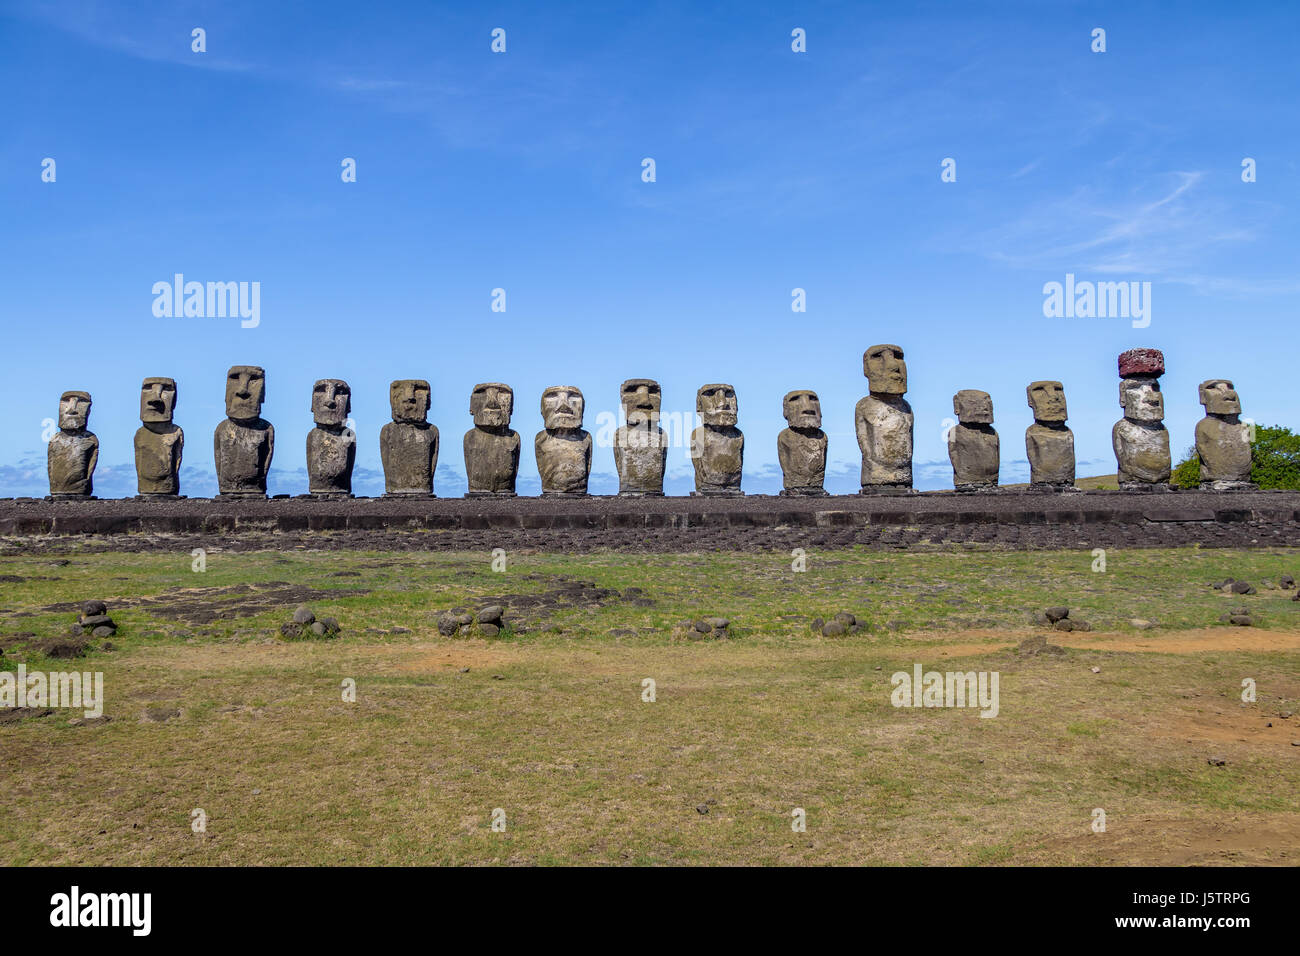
522,171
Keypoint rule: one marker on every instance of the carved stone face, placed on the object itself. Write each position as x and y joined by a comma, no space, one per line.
331,400
802,409
642,400
1047,399
1219,397
885,369
717,405
562,407
973,407
409,398
245,392
492,404
1142,399
74,411
157,399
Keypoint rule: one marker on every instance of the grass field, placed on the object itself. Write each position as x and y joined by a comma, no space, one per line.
209,709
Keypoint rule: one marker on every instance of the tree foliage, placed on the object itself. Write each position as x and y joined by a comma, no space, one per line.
1274,461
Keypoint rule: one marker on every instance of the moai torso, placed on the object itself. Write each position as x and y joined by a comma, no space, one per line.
409,452
158,449
973,451
1050,449
1223,447
331,453
802,455
563,460
71,459
640,457
718,453
884,427
242,451
1141,452
491,460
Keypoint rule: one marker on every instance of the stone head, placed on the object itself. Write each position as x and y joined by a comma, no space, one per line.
1219,397
1142,399
802,409
157,399
331,401
409,399
973,407
245,392
1047,399
717,405
642,400
562,407
492,404
885,369
74,411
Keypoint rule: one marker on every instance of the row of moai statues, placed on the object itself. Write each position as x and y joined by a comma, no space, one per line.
244,442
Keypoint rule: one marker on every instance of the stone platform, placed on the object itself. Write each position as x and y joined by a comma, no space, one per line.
1004,519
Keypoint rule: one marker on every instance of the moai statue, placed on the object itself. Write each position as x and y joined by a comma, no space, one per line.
158,442
1049,444
640,446
1222,440
72,453
563,449
244,443
331,445
1140,438
491,448
884,422
801,448
972,442
408,445
717,446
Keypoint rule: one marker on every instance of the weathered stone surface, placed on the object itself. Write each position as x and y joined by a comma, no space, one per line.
884,421
717,446
244,443
641,446
1140,439
1222,440
331,445
972,442
562,447
408,445
801,448
491,447
1049,444
73,452
158,442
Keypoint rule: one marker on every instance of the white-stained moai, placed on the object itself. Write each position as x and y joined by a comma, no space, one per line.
884,422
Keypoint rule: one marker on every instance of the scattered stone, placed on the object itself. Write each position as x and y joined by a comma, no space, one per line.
1055,614
1286,582
1141,623
1216,761
64,648
847,619
834,629
92,608
1096,670
291,630
489,630
464,670
1064,624
1241,620
702,626
491,615
1033,646
1242,587
817,624
159,715
304,615
717,622
701,808
103,631
400,630
318,628
447,625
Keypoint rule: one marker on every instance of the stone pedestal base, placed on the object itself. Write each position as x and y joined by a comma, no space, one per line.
1054,487
974,487
565,494
640,494
717,493
241,496
1145,487
490,494
62,497
1228,485
887,490
157,496
808,492
326,496
418,495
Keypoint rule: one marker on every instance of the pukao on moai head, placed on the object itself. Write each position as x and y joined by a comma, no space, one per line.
972,442
408,445
159,443
244,443
1222,439
73,452
563,449
1140,439
491,448
717,446
883,420
331,445
640,447
1049,444
801,448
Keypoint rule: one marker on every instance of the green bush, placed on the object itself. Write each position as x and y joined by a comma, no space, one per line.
1274,461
